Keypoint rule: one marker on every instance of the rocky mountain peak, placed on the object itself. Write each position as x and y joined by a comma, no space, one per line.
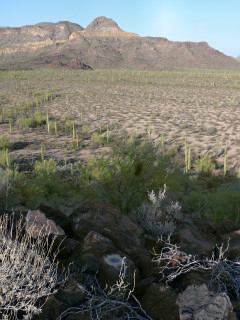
103,25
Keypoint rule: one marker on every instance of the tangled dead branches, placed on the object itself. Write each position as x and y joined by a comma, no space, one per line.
112,302
27,273
224,274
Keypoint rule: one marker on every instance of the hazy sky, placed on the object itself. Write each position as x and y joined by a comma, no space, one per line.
214,21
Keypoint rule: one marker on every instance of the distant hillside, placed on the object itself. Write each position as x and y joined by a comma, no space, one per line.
101,45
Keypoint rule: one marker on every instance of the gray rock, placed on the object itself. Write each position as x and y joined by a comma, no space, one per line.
37,225
58,216
198,303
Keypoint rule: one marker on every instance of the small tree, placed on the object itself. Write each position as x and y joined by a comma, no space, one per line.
27,274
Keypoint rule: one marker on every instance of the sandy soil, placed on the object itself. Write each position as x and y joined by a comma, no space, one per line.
207,116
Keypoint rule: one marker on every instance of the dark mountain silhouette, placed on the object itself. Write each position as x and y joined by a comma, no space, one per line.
101,45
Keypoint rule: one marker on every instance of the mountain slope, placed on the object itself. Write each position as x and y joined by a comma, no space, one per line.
101,45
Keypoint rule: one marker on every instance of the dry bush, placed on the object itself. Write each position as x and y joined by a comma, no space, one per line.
159,216
115,302
223,274
27,273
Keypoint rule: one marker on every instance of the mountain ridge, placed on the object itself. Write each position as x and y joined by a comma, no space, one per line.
102,44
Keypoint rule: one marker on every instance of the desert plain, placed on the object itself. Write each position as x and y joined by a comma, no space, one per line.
169,107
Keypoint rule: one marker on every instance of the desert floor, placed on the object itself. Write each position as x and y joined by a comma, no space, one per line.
168,107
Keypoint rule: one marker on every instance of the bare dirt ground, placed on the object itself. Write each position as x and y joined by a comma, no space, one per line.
200,106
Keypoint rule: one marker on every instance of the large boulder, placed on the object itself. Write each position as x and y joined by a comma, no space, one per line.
108,221
98,255
198,303
125,235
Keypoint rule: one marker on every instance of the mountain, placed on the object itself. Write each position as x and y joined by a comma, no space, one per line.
102,44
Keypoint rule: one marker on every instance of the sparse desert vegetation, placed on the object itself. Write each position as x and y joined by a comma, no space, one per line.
71,138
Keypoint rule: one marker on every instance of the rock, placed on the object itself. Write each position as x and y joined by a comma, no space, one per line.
51,309
93,238
159,302
143,285
196,277
37,225
108,221
66,246
58,217
98,255
143,260
233,237
196,238
125,235
198,303
68,296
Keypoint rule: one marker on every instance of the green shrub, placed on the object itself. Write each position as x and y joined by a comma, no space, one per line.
5,143
5,160
10,179
25,123
41,119
125,176
204,165
68,126
45,167
97,140
31,122
218,205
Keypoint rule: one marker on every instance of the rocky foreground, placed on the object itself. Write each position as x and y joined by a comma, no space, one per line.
167,279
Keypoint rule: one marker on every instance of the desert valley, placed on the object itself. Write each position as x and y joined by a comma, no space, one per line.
124,153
